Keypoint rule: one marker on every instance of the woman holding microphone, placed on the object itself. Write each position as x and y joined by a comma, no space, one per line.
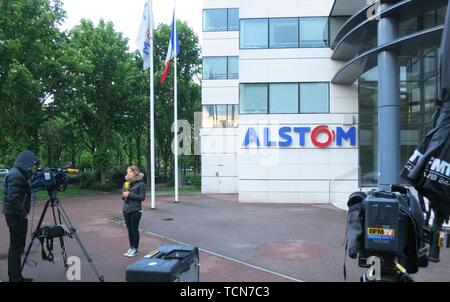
133,194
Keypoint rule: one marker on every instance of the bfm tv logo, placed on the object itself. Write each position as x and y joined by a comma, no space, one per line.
321,136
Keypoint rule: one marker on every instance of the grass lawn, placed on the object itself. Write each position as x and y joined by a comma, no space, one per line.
165,191
70,192
77,192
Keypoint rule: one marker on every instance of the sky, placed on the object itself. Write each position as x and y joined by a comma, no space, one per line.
126,14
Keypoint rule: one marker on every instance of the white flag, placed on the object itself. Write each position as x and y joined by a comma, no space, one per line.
145,35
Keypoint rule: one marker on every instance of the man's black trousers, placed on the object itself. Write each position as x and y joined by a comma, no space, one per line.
17,236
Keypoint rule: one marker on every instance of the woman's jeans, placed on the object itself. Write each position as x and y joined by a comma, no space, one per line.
132,222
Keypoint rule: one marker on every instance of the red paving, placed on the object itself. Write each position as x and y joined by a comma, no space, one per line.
106,241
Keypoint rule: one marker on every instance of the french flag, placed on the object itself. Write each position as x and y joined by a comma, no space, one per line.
170,50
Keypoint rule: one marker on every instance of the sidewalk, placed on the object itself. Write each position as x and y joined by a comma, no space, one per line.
238,242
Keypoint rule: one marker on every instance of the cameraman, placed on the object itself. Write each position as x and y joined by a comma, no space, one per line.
16,207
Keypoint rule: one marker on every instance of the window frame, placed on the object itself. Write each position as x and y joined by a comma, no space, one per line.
327,22
298,33
227,19
227,68
299,98
215,125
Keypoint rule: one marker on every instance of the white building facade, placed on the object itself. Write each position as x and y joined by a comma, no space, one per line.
290,90
275,130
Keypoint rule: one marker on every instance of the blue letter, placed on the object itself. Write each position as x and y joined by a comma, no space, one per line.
267,141
301,134
251,134
350,134
285,136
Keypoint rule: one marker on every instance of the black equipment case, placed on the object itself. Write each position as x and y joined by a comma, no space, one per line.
170,263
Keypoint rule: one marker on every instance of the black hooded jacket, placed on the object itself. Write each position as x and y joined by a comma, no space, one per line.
16,194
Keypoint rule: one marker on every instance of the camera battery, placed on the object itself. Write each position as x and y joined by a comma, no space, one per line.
382,224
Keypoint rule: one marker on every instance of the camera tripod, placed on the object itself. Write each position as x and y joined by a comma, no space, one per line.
53,202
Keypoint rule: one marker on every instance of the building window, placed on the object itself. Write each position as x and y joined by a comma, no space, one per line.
254,33
233,68
283,98
278,98
314,98
335,24
283,33
214,68
313,32
220,68
222,19
418,92
220,116
233,19
253,98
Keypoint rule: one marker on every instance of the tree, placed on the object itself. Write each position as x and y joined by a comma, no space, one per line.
29,69
96,65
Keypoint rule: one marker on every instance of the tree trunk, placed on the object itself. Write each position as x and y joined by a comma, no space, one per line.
103,177
130,159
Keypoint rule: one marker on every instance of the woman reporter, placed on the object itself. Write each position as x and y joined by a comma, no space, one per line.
133,194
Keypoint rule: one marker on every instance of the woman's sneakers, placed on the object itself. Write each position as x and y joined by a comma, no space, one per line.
127,253
133,253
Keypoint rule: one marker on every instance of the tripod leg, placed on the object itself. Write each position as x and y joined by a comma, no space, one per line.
66,219
61,239
41,219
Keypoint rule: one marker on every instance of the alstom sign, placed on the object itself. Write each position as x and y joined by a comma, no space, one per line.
320,136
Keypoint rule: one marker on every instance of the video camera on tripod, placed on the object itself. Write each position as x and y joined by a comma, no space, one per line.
392,228
55,180
51,179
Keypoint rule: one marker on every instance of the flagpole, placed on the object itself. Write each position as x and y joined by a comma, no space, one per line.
152,110
175,109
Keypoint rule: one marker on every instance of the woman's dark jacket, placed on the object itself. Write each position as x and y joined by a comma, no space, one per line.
137,194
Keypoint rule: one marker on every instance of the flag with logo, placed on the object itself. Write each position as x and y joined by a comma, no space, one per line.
170,49
145,35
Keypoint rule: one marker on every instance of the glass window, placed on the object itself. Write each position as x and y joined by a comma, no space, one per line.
283,98
410,68
254,33
233,67
208,114
253,98
408,26
429,19
430,94
370,75
314,98
313,32
215,19
409,102
283,33
336,24
429,64
219,116
214,68
233,19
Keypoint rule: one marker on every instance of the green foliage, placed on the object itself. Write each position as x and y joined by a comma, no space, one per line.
29,70
117,176
194,180
80,96
87,179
